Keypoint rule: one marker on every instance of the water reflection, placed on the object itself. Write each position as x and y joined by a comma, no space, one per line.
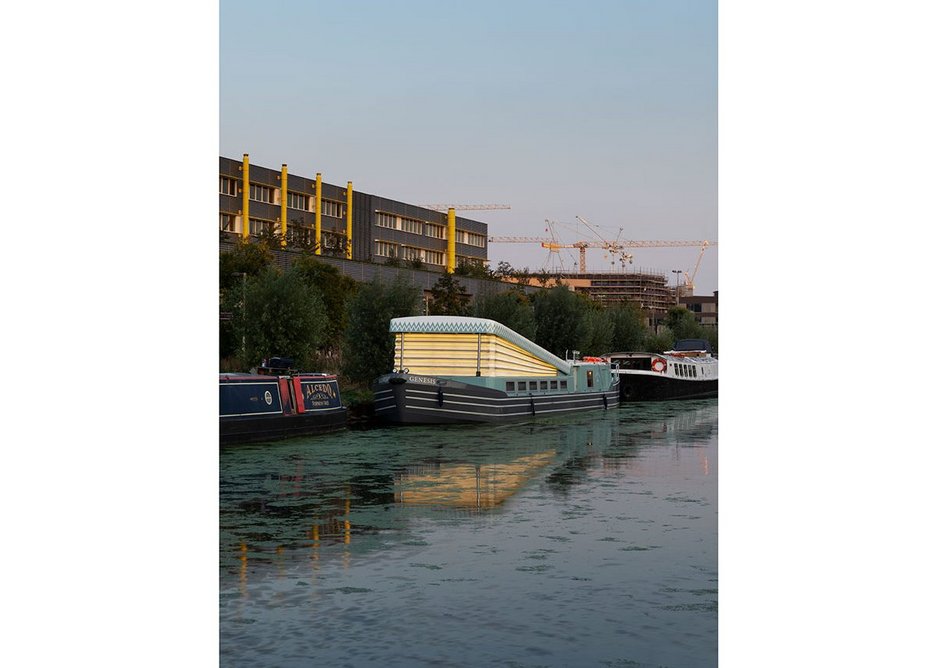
583,540
300,495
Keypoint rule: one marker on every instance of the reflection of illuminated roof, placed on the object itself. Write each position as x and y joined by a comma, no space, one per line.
469,485
453,324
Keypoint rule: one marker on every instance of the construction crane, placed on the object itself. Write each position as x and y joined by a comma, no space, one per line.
613,247
465,207
689,278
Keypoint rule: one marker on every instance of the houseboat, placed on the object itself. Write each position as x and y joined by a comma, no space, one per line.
689,371
276,402
452,369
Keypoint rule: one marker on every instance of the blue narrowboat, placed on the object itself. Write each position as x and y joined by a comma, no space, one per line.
276,403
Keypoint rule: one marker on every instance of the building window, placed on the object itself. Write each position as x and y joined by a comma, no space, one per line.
409,253
387,220
332,208
260,226
227,185
333,242
297,201
470,238
227,222
434,257
305,236
261,193
394,222
411,225
435,231
385,249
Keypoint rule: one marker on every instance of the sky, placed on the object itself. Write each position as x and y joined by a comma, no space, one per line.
604,110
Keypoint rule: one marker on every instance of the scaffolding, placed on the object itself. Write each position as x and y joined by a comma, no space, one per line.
647,289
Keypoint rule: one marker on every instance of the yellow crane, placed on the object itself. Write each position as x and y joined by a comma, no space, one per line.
616,247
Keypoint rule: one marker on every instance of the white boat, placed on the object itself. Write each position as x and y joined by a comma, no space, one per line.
689,371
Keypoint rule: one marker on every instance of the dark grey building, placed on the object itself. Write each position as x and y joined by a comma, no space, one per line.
309,213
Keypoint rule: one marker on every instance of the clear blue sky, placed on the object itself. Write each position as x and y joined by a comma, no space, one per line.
601,109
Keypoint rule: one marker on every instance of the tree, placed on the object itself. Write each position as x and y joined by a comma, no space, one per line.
235,266
561,321
245,258
599,332
658,343
511,308
282,315
336,290
449,297
368,349
504,270
682,323
472,269
629,331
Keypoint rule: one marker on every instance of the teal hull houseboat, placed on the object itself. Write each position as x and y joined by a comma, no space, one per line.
451,369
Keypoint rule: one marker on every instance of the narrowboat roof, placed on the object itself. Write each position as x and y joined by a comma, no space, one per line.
454,324
691,345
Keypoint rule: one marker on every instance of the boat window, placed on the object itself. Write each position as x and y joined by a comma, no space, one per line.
522,385
694,372
552,384
562,384
589,381
509,386
543,385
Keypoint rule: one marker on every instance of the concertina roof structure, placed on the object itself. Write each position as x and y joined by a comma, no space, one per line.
455,324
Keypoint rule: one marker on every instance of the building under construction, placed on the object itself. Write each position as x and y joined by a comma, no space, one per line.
649,290
646,289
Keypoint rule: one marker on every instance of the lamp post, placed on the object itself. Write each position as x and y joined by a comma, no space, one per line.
243,275
676,287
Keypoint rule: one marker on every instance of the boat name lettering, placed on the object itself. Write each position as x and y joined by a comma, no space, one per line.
312,391
422,379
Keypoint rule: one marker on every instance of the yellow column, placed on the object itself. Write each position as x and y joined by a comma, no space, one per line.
283,195
450,255
318,213
348,222
246,198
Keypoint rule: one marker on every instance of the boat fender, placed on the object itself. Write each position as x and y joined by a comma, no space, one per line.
594,360
659,365
533,409
605,401
439,397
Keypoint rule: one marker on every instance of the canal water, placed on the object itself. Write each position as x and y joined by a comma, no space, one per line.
586,540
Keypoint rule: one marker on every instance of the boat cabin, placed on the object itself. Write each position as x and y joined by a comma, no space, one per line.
483,352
